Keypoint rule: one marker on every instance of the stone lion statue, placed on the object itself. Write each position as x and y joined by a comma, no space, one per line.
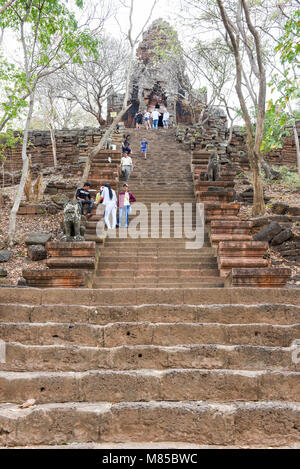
73,230
214,166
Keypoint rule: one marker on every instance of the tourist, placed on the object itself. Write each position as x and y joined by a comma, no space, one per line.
126,166
124,200
144,145
126,145
155,116
138,119
109,199
147,120
166,117
83,197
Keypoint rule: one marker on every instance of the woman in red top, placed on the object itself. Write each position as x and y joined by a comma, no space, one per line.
124,200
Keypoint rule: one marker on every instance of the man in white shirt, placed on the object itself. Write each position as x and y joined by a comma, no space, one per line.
127,166
166,116
155,116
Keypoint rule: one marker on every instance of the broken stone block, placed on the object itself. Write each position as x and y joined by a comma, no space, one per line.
37,252
38,237
52,209
60,200
270,277
283,236
280,208
4,255
268,233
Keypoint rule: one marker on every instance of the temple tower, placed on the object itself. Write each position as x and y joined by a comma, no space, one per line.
158,72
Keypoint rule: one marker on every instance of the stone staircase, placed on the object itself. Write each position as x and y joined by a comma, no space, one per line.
156,353
158,262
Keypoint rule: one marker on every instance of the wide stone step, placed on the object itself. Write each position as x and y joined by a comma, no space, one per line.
113,265
145,296
71,263
154,284
156,271
252,423
156,250
148,385
162,193
114,242
21,357
146,333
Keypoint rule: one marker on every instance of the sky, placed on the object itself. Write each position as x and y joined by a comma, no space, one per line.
118,21
166,9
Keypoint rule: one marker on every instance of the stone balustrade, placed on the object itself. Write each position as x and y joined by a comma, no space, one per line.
235,254
71,265
230,230
269,277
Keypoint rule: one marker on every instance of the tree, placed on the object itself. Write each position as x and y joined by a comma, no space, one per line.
6,5
48,32
254,51
125,105
90,82
286,82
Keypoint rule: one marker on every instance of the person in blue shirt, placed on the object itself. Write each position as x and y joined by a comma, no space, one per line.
144,147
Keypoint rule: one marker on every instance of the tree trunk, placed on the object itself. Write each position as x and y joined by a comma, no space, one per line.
101,144
175,116
53,141
15,208
112,127
296,138
297,147
230,133
258,193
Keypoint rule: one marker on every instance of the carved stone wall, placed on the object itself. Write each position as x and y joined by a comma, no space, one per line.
72,149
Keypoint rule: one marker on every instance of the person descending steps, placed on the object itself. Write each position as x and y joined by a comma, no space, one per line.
144,147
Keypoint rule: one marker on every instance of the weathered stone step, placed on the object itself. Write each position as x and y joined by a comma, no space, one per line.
156,271
226,314
166,283
144,296
157,250
172,192
180,261
146,333
145,241
148,385
267,422
164,197
21,357
71,263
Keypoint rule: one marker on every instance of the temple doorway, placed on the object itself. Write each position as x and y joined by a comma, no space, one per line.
157,99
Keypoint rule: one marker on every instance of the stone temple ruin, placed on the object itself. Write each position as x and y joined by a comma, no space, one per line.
155,81
124,340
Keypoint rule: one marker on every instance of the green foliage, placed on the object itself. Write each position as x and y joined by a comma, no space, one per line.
52,26
8,141
290,178
275,128
289,44
52,37
279,114
166,43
